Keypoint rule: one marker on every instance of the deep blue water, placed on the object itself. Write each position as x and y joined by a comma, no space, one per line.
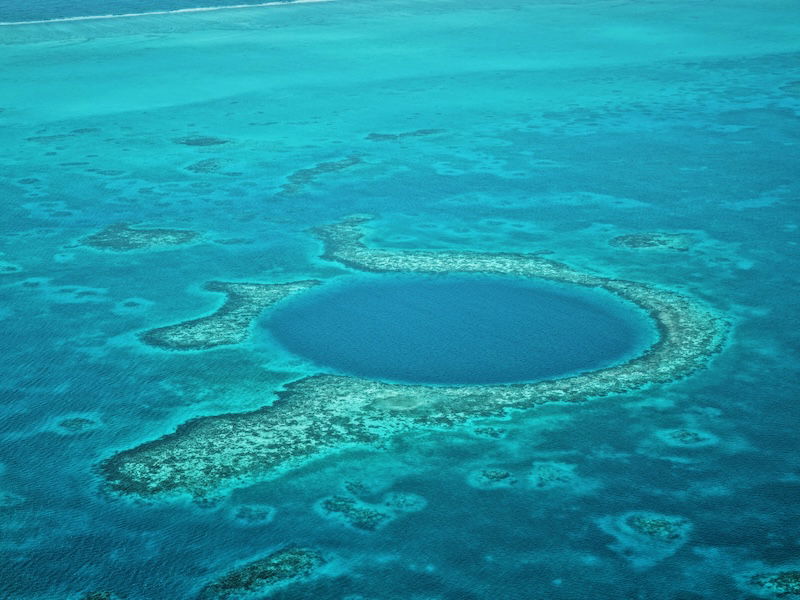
456,329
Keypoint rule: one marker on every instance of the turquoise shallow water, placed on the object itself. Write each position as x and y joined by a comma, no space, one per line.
493,126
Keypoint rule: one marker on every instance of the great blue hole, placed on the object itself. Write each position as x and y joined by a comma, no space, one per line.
454,329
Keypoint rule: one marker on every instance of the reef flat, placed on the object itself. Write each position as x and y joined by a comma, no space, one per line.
121,237
322,414
255,578
230,323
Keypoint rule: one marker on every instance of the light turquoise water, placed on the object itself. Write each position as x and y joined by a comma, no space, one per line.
502,127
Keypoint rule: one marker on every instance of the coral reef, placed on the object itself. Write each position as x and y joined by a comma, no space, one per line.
404,501
391,137
99,596
321,414
547,475
200,140
301,178
230,323
7,268
121,237
76,424
256,577
490,432
683,437
209,165
646,538
354,512
671,241
253,514
780,584
488,479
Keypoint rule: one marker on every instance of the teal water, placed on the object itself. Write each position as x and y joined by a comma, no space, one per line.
503,127
458,330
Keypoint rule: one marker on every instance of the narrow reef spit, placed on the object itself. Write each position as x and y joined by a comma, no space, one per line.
230,324
323,414
299,179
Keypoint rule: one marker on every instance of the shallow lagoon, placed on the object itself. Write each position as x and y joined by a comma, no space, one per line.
457,329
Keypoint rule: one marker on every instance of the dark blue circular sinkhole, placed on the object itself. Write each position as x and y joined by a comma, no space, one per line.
450,329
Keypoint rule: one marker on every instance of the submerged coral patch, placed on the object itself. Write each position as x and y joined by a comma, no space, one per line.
687,438
259,576
670,241
77,424
491,478
6,268
393,137
777,584
230,324
124,238
354,512
646,538
321,414
200,140
299,179
253,514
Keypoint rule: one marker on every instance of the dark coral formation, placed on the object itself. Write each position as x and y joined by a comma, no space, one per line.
200,140
687,437
99,596
354,512
490,432
7,267
322,414
76,424
299,179
253,514
256,577
671,241
658,527
209,165
391,137
230,324
491,478
547,475
646,538
781,584
123,238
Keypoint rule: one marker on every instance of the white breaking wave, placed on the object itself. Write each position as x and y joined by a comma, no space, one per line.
159,12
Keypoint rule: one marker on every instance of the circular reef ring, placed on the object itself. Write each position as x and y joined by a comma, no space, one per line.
322,414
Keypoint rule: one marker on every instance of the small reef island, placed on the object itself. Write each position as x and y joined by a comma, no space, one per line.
324,413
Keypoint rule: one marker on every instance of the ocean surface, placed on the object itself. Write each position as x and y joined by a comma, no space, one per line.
458,330
487,127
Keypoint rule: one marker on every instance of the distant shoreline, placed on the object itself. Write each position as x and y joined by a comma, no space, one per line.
157,12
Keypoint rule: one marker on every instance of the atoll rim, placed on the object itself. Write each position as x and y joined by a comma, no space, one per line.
321,414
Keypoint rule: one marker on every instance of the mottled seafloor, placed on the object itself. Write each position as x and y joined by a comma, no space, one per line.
461,126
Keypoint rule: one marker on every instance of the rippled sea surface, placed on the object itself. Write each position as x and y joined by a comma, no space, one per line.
485,126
